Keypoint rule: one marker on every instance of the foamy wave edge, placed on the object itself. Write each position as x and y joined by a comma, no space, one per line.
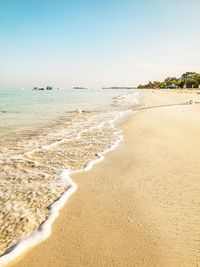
45,228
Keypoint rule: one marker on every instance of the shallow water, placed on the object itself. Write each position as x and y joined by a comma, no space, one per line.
31,161
24,111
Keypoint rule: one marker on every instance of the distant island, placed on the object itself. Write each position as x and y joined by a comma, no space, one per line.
78,87
119,87
187,80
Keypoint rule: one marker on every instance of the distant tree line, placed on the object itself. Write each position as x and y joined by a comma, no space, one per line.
187,80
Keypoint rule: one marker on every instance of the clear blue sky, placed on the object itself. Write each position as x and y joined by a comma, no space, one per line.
97,43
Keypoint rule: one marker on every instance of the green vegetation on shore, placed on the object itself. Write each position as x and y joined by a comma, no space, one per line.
187,80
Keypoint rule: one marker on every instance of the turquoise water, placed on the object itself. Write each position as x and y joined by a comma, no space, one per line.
27,110
43,140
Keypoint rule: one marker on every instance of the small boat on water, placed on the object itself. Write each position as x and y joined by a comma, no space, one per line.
49,88
43,88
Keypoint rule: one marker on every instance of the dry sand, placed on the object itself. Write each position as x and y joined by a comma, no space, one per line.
141,205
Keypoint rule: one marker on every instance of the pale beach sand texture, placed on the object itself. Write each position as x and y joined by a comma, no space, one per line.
141,205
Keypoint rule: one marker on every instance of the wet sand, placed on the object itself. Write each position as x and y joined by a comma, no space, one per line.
141,205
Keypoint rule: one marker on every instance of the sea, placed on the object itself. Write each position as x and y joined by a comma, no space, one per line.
45,136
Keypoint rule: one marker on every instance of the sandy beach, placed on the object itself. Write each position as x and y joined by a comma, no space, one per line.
140,206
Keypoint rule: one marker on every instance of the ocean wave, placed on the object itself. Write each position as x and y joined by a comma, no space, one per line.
35,173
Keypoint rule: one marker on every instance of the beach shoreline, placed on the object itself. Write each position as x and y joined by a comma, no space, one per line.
139,207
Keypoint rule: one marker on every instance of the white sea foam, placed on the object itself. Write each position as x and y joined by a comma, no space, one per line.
44,230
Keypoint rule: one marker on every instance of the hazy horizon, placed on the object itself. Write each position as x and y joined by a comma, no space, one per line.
96,43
